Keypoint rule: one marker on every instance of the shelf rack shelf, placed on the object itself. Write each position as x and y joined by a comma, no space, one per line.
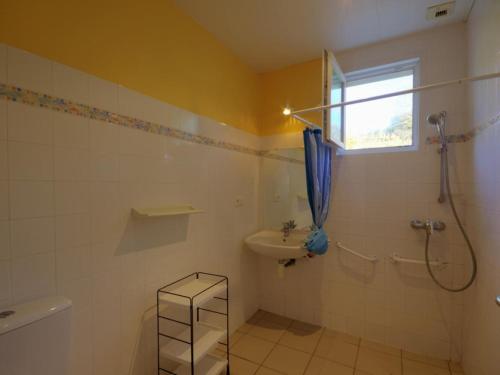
179,305
150,212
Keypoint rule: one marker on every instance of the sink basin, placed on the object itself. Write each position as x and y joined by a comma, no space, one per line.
271,243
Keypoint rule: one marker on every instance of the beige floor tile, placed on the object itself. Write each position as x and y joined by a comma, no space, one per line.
233,339
381,347
287,361
259,314
377,363
306,327
247,326
239,366
277,319
320,366
341,336
337,350
266,371
252,348
456,368
425,359
267,330
305,341
419,368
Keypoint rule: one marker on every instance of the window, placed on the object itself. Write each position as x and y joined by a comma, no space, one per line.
384,123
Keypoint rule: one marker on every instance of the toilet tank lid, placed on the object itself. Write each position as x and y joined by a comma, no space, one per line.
30,312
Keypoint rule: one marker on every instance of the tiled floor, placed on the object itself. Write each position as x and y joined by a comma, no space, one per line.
269,344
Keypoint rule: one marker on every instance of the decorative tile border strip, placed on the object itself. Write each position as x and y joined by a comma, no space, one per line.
471,134
17,94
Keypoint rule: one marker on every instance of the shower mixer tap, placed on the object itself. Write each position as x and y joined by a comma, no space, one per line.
429,225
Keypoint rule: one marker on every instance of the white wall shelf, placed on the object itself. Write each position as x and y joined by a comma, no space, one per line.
194,289
210,365
164,211
205,340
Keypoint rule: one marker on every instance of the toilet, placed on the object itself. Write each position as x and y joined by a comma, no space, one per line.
35,337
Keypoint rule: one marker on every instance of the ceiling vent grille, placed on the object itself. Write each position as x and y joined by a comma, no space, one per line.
440,10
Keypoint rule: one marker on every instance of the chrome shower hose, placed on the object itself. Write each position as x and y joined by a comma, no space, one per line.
444,154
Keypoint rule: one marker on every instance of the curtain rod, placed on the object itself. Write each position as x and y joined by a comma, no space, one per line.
307,123
396,93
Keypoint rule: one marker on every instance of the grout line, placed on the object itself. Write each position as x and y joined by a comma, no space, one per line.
402,367
10,299
357,356
315,348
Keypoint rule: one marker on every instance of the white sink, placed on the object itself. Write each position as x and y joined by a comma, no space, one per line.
272,244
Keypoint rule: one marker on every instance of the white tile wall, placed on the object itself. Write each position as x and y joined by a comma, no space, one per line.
374,198
29,124
482,315
67,185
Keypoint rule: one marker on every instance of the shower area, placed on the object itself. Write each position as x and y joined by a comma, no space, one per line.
425,216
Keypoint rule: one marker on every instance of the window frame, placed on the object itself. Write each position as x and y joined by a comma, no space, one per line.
395,67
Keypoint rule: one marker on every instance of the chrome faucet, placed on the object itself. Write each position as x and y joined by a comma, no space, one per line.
287,228
429,225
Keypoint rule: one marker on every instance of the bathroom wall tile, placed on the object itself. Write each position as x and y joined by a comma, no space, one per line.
5,283
131,103
29,71
104,167
3,62
134,142
71,164
5,252
32,236
29,124
33,276
4,200
29,161
79,292
4,170
71,197
71,130
80,361
72,231
3,119
31,199
103,94
70,84
104,137
72,264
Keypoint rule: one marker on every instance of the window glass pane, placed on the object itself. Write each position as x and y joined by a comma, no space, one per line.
336,113
380,123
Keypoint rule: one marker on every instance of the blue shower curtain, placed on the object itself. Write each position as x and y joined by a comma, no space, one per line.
318,162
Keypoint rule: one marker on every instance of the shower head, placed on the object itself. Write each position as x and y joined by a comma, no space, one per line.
439,121
436,118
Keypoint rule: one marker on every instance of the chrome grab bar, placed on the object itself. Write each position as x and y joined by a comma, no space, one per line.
369,258
498,300
395,258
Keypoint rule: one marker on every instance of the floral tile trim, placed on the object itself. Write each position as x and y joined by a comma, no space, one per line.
17,94
465,137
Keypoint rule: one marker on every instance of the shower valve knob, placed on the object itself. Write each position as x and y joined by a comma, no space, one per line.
430,225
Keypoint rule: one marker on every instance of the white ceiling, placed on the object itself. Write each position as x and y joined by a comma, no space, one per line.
270,34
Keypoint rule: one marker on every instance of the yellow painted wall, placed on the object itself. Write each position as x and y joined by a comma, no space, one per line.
298,86
146,45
